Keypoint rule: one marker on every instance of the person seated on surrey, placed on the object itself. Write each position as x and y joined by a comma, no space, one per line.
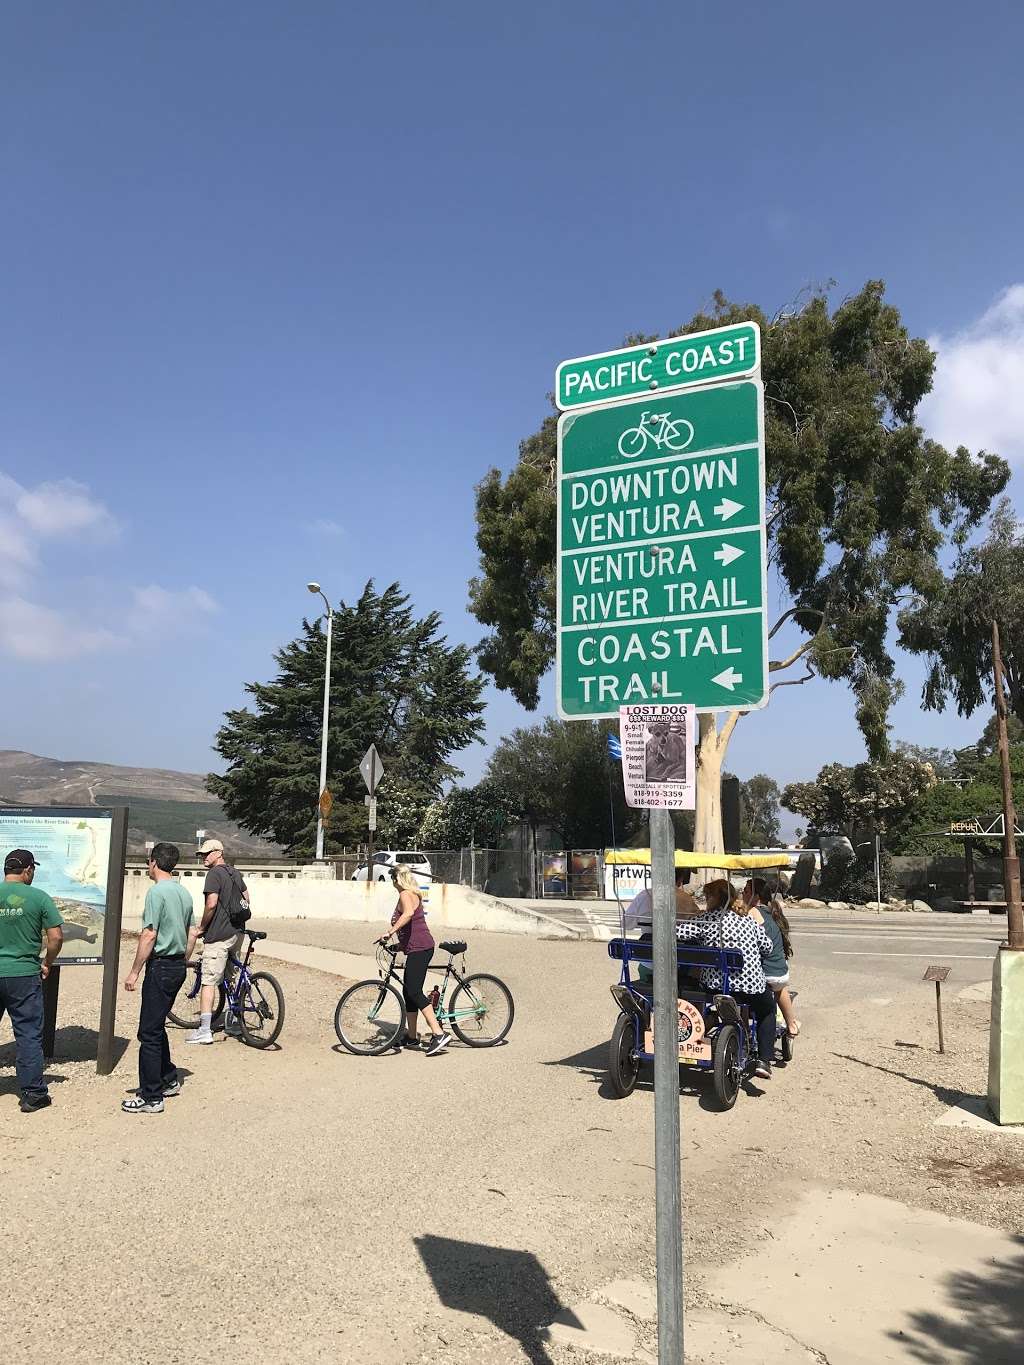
766,905
639,914
726,923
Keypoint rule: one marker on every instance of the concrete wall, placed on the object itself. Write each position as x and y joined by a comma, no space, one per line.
293,896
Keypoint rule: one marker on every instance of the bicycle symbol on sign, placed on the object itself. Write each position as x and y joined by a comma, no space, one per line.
659,428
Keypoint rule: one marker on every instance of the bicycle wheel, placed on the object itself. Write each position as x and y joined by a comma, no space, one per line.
481,1011
726,1053
186,1006
632,443
623,1067
370,1018
261,1013
677,440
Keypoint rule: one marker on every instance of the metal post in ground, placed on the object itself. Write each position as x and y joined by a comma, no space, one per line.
878,869
668,1191
51,994
1011,863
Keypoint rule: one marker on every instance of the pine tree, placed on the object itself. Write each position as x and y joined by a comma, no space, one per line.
395,682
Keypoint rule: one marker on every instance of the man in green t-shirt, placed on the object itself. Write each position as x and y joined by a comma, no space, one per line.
27,916
166,942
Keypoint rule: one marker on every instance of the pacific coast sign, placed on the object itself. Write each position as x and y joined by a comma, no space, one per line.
660,366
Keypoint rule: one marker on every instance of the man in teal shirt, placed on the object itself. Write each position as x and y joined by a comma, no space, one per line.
165,944
27,915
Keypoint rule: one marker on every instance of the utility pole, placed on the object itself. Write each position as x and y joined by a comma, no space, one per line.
1011,863
315,589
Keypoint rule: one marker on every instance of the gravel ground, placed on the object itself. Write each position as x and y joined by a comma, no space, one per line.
328,1207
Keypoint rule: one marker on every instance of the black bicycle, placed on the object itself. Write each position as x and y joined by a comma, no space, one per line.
255,999
370,1017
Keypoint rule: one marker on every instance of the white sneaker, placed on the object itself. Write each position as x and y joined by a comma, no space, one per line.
199,1037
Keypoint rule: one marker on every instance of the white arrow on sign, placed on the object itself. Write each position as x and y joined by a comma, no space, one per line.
727,554
727,508
729,678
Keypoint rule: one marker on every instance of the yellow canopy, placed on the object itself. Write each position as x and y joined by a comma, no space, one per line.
726,861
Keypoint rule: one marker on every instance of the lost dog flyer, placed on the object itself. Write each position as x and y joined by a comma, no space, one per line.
659,756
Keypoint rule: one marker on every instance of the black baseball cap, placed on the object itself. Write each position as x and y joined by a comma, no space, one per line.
19,860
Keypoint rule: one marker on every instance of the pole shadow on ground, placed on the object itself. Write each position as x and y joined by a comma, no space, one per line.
984,1322
946,1094
510,1288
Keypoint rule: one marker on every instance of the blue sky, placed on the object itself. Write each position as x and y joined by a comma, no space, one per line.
282,282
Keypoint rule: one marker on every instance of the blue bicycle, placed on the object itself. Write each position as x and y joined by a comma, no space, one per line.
254,999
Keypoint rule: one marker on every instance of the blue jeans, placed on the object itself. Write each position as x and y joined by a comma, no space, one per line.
22,998
163,980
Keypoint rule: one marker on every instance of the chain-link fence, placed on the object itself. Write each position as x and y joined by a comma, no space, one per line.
498,871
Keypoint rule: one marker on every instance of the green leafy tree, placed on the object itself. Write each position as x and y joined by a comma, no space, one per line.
395,682
951,623
915,829
845,800
759,797
943,762
860,504
468,815
851,877
557,775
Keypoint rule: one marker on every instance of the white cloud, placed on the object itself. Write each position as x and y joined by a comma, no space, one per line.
40,634
56,510
978,398
173,604
62,508
324,526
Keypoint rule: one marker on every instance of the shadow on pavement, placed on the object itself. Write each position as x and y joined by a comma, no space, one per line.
941,1092
509,1288
72,1044
9,1084
593,1063
987,1319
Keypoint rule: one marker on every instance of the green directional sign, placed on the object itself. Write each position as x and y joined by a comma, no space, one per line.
661,553
660,366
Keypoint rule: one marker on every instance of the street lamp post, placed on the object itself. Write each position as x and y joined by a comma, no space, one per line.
314,588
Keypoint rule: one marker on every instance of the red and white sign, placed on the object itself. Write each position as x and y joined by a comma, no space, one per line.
659,756
693,1046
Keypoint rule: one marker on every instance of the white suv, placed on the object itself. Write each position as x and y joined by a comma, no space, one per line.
386,859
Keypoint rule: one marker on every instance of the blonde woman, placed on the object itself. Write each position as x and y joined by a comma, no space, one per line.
409,926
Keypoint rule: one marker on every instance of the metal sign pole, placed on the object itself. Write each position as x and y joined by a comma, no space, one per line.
668,1191
112,939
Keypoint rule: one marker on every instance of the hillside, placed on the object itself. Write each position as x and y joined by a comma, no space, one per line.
163,804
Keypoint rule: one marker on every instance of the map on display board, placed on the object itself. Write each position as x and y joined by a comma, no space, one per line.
71,845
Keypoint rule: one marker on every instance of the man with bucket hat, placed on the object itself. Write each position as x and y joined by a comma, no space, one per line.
27,916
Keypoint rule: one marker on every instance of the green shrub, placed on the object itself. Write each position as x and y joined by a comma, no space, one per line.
851,876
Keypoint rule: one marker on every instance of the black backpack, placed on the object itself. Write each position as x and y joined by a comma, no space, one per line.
238,907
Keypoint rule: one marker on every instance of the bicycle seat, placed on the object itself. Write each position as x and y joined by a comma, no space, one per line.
255,934
454,946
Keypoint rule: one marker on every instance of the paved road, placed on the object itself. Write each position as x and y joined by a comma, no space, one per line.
862,948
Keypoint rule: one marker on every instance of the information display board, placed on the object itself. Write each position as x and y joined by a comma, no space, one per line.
71,844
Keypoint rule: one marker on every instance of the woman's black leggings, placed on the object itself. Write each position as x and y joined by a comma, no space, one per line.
416,965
